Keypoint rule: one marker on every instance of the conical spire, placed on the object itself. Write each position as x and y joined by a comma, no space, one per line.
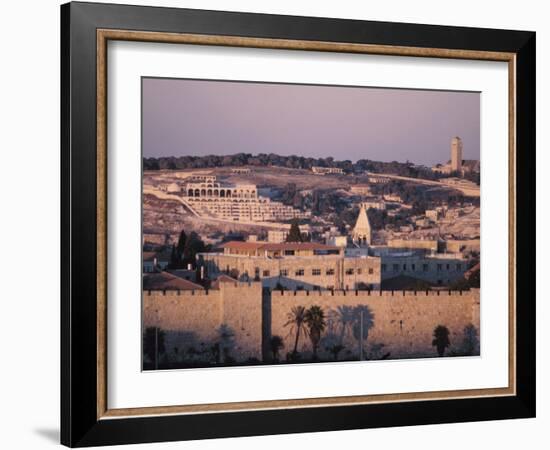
361,233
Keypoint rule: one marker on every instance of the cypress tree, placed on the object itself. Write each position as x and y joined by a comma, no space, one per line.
180,248
294,235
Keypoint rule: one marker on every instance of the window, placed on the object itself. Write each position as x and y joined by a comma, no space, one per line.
349,271
371,271
300,273
284,273
330,271
315,272
396,267
359,271
383,268
404,266
265,273
439,267
413,267
425,267
448,266
459,267
289,252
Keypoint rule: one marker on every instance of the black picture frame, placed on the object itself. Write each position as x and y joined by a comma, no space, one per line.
80,425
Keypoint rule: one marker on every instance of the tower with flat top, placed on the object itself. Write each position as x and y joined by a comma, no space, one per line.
456,154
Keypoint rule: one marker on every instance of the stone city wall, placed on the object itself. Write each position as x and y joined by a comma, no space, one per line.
402,321
199,319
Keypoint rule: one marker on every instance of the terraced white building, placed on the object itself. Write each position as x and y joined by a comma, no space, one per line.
238,202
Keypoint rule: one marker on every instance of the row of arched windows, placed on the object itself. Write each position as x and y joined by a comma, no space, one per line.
220,193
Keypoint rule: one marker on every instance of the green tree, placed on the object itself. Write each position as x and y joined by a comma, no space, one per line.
315,321
180,247
441,339
296,319
294,235
174,260
193,245
470,344
153,344
276,344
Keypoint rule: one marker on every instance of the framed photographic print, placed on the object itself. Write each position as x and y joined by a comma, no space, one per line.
277,224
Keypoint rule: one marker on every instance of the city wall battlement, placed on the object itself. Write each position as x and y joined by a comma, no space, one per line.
373,293
400,323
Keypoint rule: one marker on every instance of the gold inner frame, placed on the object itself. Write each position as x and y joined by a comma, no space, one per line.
103,36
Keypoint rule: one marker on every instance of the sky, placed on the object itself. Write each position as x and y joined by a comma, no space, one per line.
199,117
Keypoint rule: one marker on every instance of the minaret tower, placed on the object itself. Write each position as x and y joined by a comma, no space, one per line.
361,233
456,154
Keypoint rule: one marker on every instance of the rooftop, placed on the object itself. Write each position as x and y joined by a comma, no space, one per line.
271,246
167,281
222,279
150,256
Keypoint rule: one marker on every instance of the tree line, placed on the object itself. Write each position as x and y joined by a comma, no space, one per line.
407,169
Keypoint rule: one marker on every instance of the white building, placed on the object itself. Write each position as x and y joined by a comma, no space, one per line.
238,202
327,170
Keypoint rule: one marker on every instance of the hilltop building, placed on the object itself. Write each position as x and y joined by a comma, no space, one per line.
327,170
238,202
456,163
456,154
240,170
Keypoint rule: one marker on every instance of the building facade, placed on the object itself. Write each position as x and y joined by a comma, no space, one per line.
239,202
327,170
307,266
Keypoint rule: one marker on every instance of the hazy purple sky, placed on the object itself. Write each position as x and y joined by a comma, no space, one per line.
193,117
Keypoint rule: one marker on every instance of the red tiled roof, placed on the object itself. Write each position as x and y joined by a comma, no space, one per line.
242,245
150,256
222,279
270,246
165,280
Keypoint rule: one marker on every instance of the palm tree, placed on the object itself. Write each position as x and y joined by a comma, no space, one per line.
276,344
344,316
296,319
332,344
315,321
364,313
363,321
441,339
